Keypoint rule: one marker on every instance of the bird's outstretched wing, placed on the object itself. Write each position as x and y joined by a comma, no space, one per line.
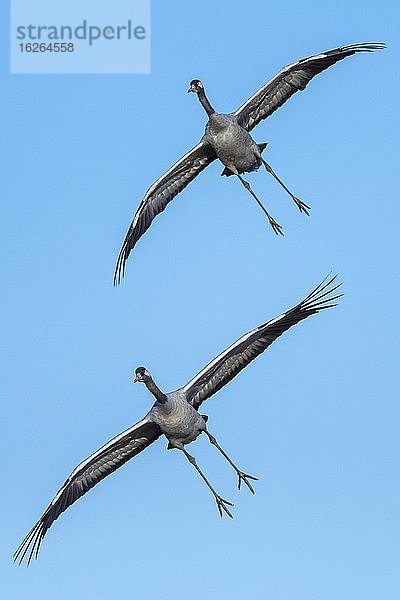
159,195
86,475
235,358
291,79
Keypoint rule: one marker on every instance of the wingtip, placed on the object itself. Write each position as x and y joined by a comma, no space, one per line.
322,296
119,271
366,46
116,279
30,545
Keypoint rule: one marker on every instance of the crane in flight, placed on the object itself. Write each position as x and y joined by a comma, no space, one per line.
175,415
227,138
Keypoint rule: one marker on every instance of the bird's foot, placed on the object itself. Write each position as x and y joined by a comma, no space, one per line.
244,477
222,506
275,226
302,206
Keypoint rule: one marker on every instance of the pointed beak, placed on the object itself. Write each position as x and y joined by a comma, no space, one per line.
136,379
190,90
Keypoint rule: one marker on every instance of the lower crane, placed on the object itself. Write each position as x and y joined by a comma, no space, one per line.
176,416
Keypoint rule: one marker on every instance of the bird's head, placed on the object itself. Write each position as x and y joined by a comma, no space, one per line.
195,86
141,374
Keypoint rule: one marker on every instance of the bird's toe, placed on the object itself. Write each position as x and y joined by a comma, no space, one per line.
244,477
302,206
223,506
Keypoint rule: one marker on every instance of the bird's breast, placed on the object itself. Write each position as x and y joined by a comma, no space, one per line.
178,420
233,145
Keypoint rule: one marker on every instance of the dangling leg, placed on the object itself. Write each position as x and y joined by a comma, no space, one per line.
242,476
275,226
221,503
301,205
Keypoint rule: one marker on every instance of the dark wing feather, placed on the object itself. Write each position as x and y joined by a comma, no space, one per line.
235,358
159,195
291,79
106,460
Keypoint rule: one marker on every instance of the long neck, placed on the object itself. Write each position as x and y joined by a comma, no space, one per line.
157,393
205,103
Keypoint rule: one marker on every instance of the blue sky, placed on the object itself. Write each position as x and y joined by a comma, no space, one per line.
316,417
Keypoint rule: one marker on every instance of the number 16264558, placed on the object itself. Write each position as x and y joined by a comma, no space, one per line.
43,47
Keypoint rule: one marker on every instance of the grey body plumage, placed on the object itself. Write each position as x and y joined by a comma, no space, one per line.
227,138
232,144
175,415
178,420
